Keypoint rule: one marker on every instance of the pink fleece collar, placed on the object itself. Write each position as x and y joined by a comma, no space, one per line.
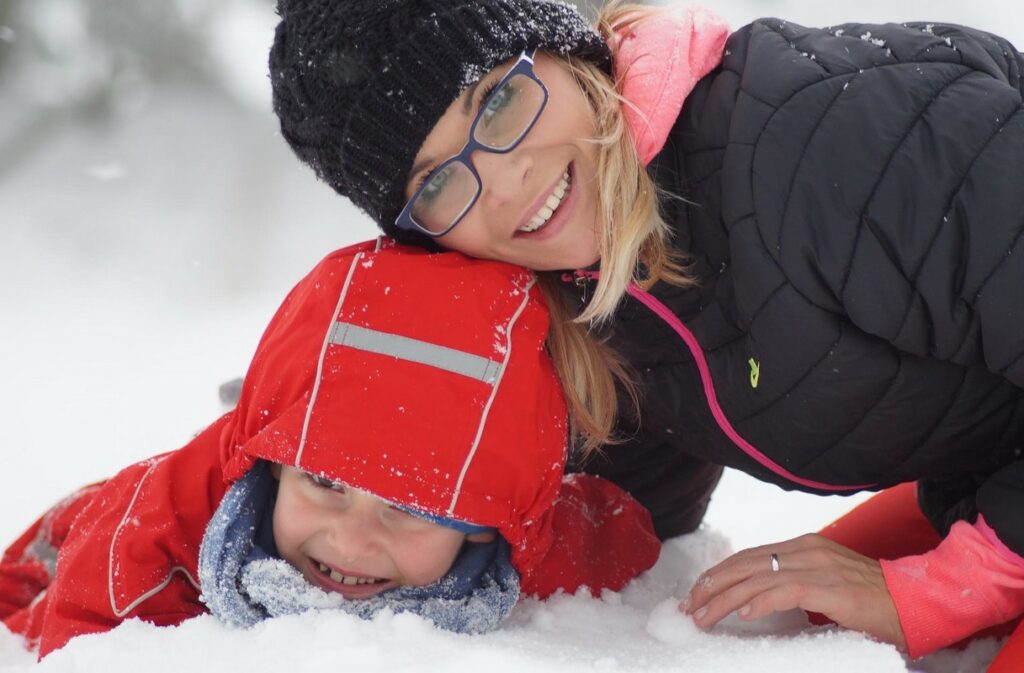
658,62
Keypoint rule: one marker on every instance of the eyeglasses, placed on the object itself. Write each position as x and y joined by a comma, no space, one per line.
504,119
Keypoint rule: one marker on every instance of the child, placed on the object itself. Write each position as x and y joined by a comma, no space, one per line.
399,443
805,243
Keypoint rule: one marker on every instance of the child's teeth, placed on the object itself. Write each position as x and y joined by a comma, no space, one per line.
345,579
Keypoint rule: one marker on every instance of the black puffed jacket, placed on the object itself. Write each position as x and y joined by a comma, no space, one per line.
853,201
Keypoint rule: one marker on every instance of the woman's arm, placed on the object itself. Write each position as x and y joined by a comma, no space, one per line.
919,603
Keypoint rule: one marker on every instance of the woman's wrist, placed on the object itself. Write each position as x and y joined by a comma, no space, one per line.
959,588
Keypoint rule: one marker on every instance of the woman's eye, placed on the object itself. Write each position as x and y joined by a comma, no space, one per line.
436,184
498,102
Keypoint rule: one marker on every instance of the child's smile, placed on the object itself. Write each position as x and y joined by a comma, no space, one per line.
348,583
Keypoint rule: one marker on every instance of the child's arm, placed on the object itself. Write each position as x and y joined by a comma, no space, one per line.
602,539
131,551
27,566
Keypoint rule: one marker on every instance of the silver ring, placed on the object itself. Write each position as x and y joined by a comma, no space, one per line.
775,563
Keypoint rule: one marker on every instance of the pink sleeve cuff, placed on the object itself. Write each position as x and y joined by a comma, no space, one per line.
969,582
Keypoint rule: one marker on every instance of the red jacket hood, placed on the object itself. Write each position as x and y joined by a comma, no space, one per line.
419,377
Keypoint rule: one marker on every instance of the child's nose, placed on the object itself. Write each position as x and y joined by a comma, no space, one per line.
357,532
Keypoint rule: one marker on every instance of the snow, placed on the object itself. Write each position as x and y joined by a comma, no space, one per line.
639,629
141,254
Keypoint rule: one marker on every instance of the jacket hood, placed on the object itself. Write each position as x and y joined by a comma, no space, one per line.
419,377
658,61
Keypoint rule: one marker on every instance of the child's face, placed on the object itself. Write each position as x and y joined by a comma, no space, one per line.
353,543
516,185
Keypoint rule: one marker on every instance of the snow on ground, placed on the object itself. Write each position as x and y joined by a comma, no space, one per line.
140,257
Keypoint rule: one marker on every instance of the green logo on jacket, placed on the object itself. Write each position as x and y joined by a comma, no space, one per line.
755,371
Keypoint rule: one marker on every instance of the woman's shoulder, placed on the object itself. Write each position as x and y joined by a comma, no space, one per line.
777,57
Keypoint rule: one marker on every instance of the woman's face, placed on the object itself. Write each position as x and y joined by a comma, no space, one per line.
507,222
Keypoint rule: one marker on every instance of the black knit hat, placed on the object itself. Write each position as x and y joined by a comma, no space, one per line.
358,84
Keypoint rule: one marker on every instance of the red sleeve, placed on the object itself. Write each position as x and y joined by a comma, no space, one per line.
602,539
967,583
27,566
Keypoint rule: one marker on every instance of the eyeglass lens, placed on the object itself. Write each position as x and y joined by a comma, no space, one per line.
503,120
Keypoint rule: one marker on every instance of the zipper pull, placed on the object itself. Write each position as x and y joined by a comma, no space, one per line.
581,283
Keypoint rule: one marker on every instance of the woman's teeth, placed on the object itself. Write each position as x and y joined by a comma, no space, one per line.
550,206
344,579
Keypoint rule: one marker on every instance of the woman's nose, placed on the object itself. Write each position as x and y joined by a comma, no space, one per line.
502,176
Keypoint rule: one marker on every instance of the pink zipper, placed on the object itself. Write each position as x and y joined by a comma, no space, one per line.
673,321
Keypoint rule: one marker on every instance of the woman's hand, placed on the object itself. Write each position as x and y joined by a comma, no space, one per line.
812,573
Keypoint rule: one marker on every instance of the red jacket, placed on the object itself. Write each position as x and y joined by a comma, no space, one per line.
489,451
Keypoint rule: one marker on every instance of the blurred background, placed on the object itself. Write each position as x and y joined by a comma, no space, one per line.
151,219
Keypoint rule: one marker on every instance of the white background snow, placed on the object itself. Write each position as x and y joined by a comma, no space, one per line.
150,221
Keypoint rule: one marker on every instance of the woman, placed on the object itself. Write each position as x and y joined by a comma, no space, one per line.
796,250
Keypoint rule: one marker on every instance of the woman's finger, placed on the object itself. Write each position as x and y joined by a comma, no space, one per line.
750,563
736,596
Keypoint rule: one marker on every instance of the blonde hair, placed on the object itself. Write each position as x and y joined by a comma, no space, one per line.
634,242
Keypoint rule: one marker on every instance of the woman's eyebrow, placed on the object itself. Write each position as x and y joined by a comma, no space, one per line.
420,165
467,104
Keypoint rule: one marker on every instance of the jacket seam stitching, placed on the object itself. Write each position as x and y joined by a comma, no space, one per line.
331,327
867,413
149,593
1020,228
485,413
799,165
1013,360
953,197
940,417
938,231
998,265
885,170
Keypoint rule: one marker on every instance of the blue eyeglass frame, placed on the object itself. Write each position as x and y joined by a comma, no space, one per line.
523,66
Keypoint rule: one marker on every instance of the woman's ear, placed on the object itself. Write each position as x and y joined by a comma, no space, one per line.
481,537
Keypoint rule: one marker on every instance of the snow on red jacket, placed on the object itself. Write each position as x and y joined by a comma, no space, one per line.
427,435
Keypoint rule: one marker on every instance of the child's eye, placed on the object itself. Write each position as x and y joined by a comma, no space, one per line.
324,482
407,518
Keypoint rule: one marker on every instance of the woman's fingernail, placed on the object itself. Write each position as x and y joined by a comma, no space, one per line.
744,611
699,614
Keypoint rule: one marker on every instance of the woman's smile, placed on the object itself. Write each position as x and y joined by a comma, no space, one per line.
550,214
